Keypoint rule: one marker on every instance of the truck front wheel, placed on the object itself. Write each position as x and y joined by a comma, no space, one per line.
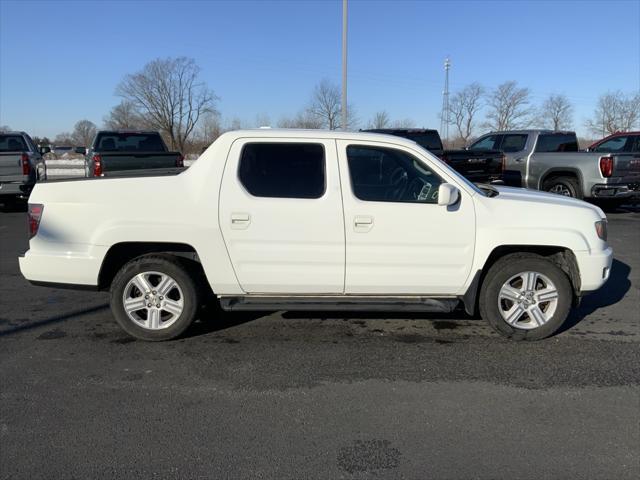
525,297
154,297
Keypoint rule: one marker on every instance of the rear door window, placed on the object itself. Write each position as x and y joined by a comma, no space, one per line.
557,142
12,143
514,142
486,143
283,170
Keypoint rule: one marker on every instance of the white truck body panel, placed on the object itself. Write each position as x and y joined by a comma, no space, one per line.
302,246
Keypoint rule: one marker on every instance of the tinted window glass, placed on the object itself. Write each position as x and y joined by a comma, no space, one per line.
129,142
428,140
616,144
12,143
557,142
388,175
285,170
513,143
486,143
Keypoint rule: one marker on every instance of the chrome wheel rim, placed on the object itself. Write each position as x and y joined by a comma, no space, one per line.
528,300
153,300
561,189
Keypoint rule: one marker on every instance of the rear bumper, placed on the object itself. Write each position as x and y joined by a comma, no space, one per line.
77,269
594,268
15,188
615,190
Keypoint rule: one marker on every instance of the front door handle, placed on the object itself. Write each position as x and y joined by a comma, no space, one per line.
240,221
362,223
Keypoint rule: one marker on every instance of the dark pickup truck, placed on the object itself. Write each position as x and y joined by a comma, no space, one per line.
480,166
129,153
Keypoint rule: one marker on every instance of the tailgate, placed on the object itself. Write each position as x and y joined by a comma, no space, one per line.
11,167
114,164
627,166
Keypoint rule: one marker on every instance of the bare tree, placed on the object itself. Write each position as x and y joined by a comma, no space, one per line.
508,107
326,103
615,112
303,119
123,116
556,113
263,120
380,120
404,123
5,128
464,107
170,95
64,139
83,133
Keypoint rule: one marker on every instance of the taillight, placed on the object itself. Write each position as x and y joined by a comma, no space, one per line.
26,166
34,215
180,161
97,165
601,229
606,166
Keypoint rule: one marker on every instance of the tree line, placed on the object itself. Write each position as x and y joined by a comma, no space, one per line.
170,96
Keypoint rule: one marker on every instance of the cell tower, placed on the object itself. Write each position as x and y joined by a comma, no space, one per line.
445,115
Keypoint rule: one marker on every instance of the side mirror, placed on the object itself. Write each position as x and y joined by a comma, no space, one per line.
80,150
447,194
44,150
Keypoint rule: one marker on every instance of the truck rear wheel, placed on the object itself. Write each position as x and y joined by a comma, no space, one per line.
567,186
525,297
154,297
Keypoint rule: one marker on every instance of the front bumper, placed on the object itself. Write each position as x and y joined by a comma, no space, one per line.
595,268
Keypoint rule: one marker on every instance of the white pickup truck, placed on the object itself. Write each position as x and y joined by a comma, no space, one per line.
312,220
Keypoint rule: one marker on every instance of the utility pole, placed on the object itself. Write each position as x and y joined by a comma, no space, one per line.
344,65
445,115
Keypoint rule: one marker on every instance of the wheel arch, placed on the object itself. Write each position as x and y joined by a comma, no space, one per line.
121,253
563,257
562,172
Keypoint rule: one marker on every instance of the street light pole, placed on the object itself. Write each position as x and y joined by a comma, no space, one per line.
344,65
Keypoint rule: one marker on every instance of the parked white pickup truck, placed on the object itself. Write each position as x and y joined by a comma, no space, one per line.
311,220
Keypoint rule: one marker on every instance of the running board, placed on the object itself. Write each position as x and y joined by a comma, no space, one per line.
408,303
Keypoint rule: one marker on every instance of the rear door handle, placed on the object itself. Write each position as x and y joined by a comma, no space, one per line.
362,223
240,221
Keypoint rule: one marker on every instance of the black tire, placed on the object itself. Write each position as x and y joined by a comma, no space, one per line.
505,268
569,185
177,269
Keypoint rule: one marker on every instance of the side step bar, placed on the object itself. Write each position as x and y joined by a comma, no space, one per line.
408,303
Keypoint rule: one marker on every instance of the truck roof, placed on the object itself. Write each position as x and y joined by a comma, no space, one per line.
532,130
12,132
311,133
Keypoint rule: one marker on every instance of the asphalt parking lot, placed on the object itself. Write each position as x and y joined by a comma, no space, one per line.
284,395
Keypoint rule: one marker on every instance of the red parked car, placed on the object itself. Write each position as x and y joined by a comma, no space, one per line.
627,142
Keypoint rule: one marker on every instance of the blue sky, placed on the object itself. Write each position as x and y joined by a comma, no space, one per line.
61,61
